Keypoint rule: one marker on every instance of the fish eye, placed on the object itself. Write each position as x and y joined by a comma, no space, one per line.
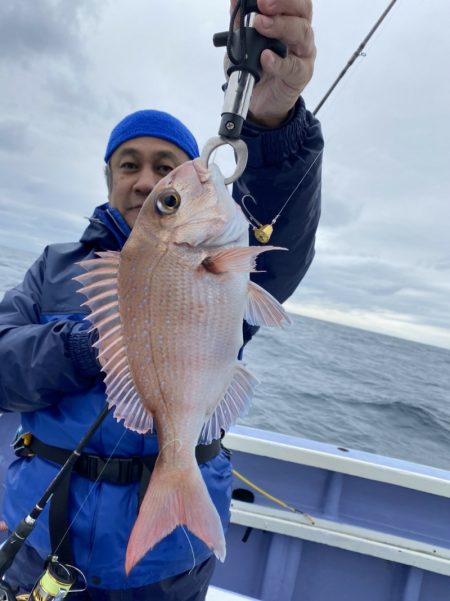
168,202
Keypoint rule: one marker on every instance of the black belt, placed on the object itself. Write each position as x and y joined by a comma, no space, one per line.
116,470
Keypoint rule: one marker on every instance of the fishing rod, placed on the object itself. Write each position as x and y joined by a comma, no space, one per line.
57,578
358,52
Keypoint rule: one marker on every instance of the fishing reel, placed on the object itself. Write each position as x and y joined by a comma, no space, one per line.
54,585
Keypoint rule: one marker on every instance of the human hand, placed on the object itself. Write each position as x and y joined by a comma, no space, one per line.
283,80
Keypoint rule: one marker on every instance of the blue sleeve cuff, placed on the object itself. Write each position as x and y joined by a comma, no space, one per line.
271,146
79,348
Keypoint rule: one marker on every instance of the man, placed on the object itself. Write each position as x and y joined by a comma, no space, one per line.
49,368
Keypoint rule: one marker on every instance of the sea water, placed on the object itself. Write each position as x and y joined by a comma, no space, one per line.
337,384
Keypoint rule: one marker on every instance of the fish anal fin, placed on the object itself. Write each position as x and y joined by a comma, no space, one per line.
237,259
263,309
234,404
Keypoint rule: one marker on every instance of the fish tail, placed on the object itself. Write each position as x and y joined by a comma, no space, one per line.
175,498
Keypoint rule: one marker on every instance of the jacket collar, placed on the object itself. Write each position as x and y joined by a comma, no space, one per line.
107,229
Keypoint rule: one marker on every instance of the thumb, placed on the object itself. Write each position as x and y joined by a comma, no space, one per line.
271,63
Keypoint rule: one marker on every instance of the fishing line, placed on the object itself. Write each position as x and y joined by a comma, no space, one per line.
263,232
90,492
190,545
169,442
271,497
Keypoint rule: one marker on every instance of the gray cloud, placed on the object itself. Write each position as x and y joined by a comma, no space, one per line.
15,136
372,285
43,29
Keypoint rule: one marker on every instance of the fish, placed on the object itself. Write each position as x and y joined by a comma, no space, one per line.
169,309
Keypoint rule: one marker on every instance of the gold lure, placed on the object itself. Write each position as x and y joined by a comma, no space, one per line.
263,233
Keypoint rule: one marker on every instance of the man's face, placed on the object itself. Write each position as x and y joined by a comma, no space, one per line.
136,166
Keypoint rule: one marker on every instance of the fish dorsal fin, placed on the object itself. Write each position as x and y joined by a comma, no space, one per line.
234,404
101,289
237,259
263,309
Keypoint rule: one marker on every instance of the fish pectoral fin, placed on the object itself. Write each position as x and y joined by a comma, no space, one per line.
234,404
100,288
175,498
237,259
263,309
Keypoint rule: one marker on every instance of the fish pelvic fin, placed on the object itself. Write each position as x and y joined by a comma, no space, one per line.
100,286
237,259
263,309
234,404
175,498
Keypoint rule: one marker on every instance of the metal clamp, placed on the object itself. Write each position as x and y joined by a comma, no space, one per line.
240,153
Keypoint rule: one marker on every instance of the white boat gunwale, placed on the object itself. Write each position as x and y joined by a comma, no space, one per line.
354,463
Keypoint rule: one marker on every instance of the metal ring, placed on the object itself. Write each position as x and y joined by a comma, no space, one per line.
240,151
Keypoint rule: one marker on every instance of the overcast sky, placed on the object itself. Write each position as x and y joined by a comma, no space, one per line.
69,70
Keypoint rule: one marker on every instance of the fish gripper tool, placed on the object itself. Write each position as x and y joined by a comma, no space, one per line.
244,48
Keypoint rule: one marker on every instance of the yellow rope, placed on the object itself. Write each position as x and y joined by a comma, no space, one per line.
269,496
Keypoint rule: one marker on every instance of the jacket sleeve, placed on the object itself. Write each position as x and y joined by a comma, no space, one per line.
39,362
283,177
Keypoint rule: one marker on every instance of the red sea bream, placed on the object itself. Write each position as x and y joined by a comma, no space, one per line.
169,309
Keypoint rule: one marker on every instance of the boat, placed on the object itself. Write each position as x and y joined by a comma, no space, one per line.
355,525
315,522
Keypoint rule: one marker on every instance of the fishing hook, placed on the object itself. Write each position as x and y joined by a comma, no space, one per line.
246,209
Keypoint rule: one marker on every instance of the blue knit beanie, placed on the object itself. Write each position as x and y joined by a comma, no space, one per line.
155,124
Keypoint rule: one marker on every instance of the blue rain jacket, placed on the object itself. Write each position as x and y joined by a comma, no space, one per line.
49,374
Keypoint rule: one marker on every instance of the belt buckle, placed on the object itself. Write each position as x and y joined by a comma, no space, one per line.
21,443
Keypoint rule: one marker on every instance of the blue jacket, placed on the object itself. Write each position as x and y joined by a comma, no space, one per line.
49,373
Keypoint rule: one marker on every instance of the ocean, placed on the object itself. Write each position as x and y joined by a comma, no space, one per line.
337,384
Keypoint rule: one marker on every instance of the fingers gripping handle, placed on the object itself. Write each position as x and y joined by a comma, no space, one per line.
244,48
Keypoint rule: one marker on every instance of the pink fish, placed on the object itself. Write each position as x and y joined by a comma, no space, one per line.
169,309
